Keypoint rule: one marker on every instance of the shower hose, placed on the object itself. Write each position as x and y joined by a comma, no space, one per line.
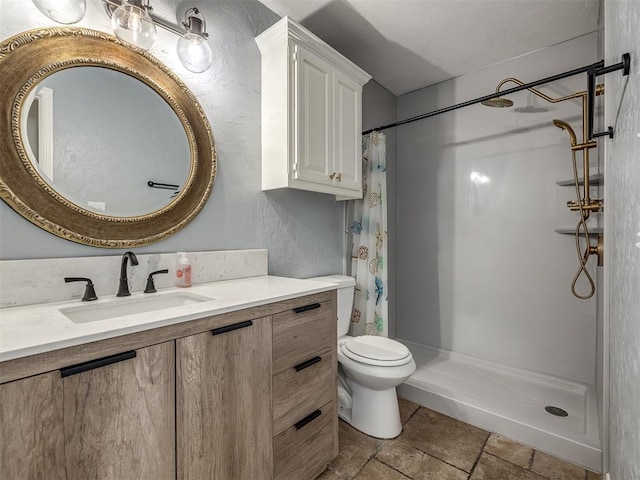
581,228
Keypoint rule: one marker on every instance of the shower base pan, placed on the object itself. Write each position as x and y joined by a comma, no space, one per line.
508,401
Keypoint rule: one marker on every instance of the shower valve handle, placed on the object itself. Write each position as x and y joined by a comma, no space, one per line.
593,206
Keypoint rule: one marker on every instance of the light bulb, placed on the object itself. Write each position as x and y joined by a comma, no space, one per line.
67,11
194,52
133,24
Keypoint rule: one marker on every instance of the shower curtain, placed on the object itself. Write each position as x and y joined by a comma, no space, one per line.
369,230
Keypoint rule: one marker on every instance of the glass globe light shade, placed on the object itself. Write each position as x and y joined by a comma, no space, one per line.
134,25
194,52
67,11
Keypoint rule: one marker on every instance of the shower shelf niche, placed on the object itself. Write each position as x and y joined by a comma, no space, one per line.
572,231
597,179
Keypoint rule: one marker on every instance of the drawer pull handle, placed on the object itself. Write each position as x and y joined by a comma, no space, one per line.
308,363
230,328
101,362
306,308
308,419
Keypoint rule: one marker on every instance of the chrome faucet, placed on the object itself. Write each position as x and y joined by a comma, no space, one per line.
123,288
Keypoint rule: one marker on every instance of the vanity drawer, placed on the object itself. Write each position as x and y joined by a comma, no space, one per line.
300,333
303,451
301,389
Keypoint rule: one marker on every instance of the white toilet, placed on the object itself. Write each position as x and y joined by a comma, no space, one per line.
370,369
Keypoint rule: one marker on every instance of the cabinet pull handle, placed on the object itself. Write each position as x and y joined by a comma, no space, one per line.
230,328
308,419
339,177
306,308
308,363
332,175
101,362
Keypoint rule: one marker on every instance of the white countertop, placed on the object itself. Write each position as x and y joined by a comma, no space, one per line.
33,329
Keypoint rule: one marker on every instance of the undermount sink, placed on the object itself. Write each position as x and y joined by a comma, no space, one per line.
130,306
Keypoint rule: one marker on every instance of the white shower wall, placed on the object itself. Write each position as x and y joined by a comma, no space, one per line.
480,269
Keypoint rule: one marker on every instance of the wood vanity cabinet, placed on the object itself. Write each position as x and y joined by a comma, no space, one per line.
119,419
224,403
311,114
109,418
245,395
305,415
32,429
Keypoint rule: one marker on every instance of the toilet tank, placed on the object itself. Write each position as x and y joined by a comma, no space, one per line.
346,286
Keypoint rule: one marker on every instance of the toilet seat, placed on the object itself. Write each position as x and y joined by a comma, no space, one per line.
379,351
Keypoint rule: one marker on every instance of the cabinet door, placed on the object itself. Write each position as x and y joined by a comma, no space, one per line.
119,419
224,427
313,160
31,426
348,131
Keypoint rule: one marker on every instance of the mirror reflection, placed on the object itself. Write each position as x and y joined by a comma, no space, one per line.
105,141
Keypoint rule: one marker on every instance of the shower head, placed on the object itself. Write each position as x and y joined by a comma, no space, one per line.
498,102
565,126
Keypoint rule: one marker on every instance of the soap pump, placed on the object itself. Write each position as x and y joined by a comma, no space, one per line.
183,271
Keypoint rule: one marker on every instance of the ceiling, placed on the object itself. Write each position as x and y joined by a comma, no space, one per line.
410,44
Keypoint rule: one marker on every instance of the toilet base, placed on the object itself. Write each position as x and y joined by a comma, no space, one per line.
374,412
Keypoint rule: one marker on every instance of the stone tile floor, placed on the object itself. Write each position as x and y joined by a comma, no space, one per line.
433,446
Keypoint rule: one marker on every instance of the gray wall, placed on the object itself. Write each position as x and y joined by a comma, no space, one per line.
301,230
622,197
379,108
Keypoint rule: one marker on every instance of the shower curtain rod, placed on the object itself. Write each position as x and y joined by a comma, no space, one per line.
592,71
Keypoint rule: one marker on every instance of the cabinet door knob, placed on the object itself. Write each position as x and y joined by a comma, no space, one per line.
332,175
339,177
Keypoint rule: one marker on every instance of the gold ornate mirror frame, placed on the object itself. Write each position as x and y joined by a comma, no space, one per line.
28,58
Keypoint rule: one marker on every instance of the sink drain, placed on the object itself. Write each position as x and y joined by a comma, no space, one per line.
557,411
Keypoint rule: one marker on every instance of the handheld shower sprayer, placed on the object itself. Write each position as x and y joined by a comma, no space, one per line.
565,126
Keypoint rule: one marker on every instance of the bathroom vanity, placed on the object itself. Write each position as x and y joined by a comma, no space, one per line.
240,384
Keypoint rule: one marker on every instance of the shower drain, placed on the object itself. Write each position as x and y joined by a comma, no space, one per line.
557,411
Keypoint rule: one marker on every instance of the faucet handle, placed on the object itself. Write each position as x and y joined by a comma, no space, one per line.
89,291
151,288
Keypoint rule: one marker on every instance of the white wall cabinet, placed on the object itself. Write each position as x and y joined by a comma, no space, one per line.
311,113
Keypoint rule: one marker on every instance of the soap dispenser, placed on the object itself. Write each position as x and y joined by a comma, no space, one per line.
183,271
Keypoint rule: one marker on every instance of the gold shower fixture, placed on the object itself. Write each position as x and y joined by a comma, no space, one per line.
583,204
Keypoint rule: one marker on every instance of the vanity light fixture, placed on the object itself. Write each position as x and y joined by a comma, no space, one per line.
62,11
134,22
193,49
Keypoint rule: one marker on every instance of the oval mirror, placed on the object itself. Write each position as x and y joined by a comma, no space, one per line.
100,144
105,141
